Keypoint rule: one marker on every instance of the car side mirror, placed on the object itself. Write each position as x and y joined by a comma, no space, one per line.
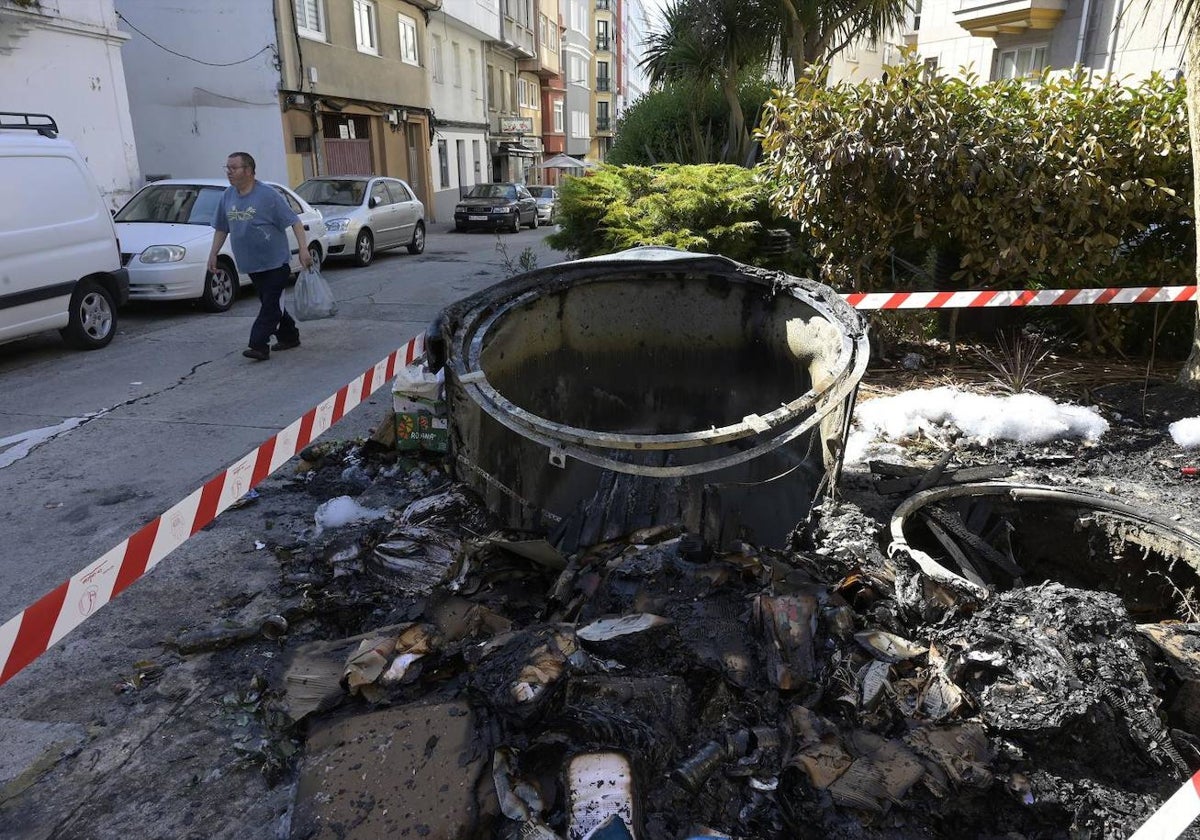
374,202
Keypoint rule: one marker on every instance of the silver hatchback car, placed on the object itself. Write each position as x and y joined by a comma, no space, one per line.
365,214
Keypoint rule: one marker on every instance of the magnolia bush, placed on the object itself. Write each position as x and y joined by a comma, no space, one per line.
1059,181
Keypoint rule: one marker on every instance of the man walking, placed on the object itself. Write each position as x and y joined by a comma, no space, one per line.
256,217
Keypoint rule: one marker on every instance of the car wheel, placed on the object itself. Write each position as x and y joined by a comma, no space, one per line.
418,241
314,251
220,288
534,224
93,317
364,248
516,222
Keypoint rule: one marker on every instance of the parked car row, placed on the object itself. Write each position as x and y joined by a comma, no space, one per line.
66,263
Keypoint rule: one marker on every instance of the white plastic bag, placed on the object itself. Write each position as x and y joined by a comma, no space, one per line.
312,297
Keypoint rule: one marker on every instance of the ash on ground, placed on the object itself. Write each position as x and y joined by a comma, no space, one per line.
445,678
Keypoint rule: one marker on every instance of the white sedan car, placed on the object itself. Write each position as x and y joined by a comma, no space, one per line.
166,233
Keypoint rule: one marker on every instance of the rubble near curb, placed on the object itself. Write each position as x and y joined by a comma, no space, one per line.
833,692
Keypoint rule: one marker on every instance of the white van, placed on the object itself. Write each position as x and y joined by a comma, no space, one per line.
60,263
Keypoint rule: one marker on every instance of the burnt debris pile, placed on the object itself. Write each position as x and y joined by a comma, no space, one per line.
486,685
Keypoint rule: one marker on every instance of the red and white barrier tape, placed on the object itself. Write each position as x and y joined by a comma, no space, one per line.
1175,815
988,299
30,633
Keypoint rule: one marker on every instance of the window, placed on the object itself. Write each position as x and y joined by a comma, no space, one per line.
577,70
602,35
580,124
379,194
310,19
474,71
364,26
444,163
603,81
491,88
579,15
435,58
456,57
290,199
527,93
408,40
558,116
602,119
1022,63
399,192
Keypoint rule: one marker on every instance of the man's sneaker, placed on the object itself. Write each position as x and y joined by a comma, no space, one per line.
255,353
280,344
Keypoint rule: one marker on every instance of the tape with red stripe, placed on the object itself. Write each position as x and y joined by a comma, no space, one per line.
30,633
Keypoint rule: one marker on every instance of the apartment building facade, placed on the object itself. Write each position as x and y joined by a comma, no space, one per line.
997,40
460,33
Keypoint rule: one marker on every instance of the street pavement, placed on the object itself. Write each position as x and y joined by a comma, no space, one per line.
100,443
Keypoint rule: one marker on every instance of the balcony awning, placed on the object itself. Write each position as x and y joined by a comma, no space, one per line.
988,18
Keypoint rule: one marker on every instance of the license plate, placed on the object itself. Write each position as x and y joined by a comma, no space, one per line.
476,218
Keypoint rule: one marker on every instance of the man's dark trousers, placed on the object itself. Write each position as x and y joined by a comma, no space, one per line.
272,320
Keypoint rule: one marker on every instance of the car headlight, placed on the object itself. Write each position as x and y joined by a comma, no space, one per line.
337,224
163,254
460,208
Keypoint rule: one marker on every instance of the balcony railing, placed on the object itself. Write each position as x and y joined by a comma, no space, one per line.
604,5
603,124
603,84
603,42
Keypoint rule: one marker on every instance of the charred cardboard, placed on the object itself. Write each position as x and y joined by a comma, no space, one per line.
407,771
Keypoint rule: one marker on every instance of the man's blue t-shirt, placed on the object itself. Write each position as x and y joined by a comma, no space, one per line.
257,225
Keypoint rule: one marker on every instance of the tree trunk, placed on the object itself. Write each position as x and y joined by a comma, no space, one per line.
735,147
1189,376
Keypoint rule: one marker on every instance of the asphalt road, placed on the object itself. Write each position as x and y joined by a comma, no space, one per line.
94,445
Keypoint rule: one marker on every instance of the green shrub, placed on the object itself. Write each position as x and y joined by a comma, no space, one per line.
712,208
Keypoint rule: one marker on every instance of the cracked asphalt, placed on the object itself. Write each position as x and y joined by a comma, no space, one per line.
94,445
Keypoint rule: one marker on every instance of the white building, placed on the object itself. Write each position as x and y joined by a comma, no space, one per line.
1011,39
457,46
63,58
203,82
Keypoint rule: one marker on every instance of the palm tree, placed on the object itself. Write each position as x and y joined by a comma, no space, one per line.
711,42
814,31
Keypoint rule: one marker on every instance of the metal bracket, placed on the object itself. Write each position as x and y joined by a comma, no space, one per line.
558,458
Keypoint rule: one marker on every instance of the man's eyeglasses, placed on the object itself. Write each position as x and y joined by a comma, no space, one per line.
233,168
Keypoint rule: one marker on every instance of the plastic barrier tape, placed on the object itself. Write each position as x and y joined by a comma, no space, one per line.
29,634
1175,815
987,299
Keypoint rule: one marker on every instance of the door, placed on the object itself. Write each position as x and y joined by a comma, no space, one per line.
406,210
383,215
528,205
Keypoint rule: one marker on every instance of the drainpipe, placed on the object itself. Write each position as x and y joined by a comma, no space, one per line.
1085,21
317,151
1112,42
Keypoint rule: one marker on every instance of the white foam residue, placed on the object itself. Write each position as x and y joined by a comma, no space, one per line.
1186,432
945,413
343,510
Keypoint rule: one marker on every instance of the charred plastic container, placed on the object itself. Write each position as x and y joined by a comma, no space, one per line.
654,386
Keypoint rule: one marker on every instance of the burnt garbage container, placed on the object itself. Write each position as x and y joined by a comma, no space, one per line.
654,386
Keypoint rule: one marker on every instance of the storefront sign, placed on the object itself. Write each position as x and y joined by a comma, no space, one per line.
516,125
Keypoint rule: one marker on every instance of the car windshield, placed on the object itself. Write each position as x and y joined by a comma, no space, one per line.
180,204
493,191
541,192
342,192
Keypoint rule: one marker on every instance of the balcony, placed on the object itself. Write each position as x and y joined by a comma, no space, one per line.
603,43
603,84
989,18
603,124
604,5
